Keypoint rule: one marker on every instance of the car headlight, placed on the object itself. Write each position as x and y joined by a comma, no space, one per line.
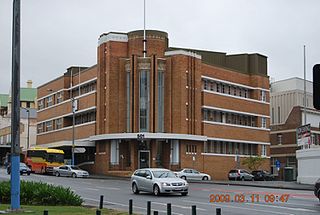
165,184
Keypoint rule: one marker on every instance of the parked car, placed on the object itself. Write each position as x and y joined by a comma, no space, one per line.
24,169
192,174
157,181
317,189
262,175
68,170
240,174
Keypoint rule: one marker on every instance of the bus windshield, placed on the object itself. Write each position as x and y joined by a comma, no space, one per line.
55,157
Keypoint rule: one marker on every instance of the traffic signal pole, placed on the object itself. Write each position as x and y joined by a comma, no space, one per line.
15,113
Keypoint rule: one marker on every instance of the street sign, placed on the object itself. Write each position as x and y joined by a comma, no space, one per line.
79,150
278,163
304,135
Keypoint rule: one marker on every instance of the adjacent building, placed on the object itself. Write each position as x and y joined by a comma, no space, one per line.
28,120
174,108
287,114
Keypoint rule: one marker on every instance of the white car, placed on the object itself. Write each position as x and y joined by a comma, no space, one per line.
68,170
157,181
192,174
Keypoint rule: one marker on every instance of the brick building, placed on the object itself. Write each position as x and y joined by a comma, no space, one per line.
174,108
287,114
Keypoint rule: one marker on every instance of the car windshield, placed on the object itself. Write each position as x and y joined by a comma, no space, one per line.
23,165
164,174
75,168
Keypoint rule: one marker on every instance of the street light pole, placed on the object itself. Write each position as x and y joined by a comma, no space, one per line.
28,135
73,122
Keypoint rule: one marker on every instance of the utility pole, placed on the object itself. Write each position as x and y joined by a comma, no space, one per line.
15,114
305,86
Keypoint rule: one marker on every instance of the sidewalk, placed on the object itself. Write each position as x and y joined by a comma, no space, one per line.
291,185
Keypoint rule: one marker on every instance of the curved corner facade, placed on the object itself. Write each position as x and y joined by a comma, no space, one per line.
175,108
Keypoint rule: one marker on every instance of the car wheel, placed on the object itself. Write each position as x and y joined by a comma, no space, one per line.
135,189
205,178
74,175
28,173
57,174
156,190
242,179
183,177
184,194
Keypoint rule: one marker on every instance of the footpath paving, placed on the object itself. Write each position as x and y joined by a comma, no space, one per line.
292,185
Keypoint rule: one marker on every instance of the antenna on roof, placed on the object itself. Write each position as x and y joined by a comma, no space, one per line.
144,29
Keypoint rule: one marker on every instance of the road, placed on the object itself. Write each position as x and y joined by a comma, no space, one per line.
117,194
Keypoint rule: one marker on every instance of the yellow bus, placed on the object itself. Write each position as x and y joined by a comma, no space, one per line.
42,160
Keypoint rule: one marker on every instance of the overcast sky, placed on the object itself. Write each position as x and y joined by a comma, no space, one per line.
57,34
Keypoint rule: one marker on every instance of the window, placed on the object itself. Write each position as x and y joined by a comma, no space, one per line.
58,123
59,97
263,122
279,137
49,126
279,114
191,148
272,115
174,158
40,128
128,100
40,104
160,101
263,95
263,150
144,101
114,155
49,101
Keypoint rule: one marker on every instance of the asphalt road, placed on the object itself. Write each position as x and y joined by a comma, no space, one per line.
243,199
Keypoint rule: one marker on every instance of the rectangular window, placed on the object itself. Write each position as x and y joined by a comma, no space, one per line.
230,148
144,101
263,122
272,115
128,101
40,128
264,150
160,101
49,126
40,104
49,101
114,155
279,114
174,158
191,148
59,97
279,137
58,123
263,95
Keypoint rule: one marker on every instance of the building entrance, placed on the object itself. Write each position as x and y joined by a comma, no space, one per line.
144,158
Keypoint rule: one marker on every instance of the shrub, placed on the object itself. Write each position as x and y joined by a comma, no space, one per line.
39,193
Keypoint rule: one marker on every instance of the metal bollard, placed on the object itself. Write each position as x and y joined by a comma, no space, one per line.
218,211
155,213
130,206
194,210
101,202
98,212
148,207
45,212
169,209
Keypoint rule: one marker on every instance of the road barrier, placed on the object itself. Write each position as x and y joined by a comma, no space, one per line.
193,208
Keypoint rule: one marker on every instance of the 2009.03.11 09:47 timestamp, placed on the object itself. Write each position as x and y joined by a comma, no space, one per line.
252,198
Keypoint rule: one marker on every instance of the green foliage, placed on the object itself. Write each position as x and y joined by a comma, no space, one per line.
38,193
253,163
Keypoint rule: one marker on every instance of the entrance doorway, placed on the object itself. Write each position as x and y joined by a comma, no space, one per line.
144,158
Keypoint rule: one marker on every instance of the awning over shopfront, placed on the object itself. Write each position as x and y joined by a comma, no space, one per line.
146,136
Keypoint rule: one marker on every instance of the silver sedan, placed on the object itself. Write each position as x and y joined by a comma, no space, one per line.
68,170
157,181
192,174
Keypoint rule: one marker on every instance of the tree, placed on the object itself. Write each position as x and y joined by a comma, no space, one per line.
253,163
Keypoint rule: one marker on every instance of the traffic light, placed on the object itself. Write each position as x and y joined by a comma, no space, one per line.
316,86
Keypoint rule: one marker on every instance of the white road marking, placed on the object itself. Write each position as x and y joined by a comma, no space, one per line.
126,206
178,206
108,188
282,207
241,208
88,188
